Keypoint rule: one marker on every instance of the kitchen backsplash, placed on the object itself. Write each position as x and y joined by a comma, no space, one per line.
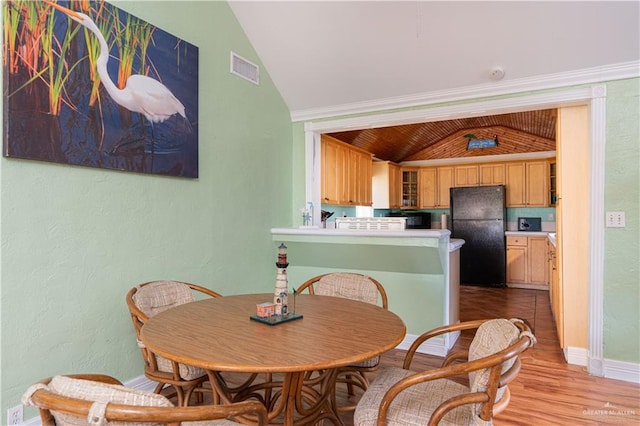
546,214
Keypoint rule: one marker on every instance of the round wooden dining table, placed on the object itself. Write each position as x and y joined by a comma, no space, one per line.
300,357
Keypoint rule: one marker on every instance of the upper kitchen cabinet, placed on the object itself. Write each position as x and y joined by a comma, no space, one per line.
466,175
360,174
410,187
435,183
553,191
492,174
346,173
387,185
332,171
527,184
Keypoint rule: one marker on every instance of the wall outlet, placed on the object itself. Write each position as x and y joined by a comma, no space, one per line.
14,415
615,220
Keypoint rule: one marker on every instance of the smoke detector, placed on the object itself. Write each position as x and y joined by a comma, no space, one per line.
496,73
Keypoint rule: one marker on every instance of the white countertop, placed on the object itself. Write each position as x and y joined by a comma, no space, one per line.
454,243
526,233
409,233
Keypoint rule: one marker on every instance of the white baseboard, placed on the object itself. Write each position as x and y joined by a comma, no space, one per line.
621,370
436,346
576,356
617,370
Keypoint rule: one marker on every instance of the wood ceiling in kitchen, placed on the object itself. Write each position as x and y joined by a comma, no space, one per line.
520,132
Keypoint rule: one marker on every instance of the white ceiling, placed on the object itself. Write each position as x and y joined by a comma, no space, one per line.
322,54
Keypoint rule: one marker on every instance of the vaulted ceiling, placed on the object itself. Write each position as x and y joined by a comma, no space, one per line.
330,58
530,131
325,54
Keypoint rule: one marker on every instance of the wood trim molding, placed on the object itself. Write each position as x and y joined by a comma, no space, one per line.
593,75
598,117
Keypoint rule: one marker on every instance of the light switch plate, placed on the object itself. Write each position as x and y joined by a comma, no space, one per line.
615,220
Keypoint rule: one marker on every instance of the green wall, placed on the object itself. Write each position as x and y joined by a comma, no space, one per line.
74,240
622,251
622,192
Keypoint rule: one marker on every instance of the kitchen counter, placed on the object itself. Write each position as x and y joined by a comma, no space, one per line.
526,233
419,269
412,234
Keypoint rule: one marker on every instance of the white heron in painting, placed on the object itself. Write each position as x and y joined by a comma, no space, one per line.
141,93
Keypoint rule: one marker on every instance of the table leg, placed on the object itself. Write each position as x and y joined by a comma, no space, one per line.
298,399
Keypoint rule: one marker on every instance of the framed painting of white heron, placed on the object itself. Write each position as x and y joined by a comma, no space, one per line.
86,83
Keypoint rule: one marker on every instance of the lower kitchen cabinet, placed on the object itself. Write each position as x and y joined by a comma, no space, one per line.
527,261
555,292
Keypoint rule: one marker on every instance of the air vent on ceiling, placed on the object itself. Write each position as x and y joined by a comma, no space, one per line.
244,68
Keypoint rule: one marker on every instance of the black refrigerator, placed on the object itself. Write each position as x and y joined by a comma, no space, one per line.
478,216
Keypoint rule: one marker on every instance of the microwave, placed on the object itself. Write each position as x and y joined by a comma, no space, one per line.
415,220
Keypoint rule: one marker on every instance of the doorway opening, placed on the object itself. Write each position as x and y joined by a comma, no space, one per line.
594,97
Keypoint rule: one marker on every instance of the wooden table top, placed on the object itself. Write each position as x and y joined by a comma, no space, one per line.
217,334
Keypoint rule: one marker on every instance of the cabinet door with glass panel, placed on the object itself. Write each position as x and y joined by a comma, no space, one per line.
409,187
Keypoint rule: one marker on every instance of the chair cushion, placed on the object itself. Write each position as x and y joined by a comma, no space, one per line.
368,363
415,405
349,286
158,296
101,392
107,393
187,372
491,337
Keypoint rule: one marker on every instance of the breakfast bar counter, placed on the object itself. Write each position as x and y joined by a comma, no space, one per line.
419,270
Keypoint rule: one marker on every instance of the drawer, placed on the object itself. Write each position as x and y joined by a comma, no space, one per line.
516,241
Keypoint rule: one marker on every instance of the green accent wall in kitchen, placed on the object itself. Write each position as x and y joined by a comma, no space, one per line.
547,214
74,240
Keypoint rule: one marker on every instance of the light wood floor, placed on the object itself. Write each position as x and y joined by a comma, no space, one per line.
547,391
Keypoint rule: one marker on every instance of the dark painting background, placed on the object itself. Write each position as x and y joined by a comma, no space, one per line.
104,135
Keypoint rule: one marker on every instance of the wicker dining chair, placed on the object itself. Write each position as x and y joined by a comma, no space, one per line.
437,396
357,287
145,301
95,399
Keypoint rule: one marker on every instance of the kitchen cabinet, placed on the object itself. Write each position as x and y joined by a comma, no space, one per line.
410,186
537,267
346,173
555,293
492,174
445,182
428,187
527,261
332,166
435,183
360,171
466,175
516,260
553,188
387,185
527,184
